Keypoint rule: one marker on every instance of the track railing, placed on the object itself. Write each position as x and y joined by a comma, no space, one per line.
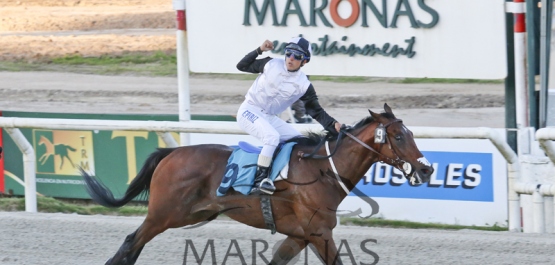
545,137
12,124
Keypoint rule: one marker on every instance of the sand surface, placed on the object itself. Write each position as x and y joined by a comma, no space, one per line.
40,238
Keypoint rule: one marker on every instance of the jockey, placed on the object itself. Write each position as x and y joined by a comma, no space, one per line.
279,84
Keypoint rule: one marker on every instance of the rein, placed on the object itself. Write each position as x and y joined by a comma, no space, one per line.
394,162
302,155
339,138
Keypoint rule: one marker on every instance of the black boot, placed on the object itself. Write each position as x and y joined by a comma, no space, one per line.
262,182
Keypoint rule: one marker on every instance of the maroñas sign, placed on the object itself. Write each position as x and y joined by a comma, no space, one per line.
386,38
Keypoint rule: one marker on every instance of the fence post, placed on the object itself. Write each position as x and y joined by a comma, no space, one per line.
29,165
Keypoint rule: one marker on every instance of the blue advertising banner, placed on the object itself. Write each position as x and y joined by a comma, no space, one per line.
460,176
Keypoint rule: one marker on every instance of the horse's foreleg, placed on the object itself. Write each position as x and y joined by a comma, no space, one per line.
288,249
325,246
68,158
43,158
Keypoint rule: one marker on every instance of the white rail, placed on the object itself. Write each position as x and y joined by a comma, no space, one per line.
29,167
162,128
545,137
233,128
501,145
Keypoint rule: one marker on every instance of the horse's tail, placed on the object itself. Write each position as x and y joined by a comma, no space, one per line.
103,196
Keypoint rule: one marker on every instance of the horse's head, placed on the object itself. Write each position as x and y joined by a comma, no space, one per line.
402,152
43,140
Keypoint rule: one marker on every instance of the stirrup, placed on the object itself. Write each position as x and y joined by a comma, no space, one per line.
266,186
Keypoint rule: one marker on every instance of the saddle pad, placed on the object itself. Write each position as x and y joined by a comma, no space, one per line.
241,167
250,148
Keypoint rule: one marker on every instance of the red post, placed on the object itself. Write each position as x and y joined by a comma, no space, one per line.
520,24
181,20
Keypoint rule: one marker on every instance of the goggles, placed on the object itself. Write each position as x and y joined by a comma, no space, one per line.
297,55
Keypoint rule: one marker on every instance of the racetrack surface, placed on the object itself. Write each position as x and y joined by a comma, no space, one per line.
46,238
440,105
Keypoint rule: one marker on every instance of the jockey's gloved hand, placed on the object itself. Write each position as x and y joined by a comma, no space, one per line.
346,127
332,131
335,128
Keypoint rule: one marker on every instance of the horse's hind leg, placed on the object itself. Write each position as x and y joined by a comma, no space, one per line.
133,244
288,249
325,246
158,220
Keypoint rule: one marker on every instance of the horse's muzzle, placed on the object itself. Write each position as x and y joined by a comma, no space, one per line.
421,175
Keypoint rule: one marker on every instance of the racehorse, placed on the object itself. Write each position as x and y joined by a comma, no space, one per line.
182,184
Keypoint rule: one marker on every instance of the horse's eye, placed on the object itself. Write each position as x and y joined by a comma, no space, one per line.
398,137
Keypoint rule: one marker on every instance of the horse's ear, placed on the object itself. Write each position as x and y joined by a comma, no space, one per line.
376,116
387,109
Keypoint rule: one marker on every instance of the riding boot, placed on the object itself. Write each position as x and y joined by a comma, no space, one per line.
262,182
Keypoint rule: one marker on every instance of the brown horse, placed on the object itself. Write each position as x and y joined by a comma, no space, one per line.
183,181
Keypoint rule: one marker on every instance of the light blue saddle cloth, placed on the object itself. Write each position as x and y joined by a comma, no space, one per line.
242,164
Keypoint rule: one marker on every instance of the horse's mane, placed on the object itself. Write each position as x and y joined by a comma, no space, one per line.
313,138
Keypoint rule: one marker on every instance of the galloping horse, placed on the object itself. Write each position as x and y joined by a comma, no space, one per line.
183,181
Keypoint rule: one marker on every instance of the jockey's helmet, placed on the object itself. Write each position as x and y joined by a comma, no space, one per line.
299,44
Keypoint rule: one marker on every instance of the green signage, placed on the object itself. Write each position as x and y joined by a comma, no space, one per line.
325,48
293,8
114,157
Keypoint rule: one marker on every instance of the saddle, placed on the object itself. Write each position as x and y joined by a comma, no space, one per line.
241,167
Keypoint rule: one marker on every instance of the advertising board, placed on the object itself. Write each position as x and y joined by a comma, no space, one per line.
382,38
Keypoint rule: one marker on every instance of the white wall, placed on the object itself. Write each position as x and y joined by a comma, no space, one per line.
468,40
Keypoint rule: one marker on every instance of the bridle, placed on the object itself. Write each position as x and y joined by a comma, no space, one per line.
394,162
383,158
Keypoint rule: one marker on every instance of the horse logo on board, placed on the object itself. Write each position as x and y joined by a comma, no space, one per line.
63,152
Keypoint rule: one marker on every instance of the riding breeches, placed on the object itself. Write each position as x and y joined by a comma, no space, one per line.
269,129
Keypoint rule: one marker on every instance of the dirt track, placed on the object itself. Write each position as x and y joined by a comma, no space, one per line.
36,239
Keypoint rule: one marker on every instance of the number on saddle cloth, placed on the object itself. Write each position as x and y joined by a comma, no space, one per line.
242,164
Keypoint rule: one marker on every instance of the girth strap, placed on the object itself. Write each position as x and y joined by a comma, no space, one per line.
266,206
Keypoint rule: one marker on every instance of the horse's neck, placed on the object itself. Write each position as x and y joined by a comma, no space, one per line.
353,160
